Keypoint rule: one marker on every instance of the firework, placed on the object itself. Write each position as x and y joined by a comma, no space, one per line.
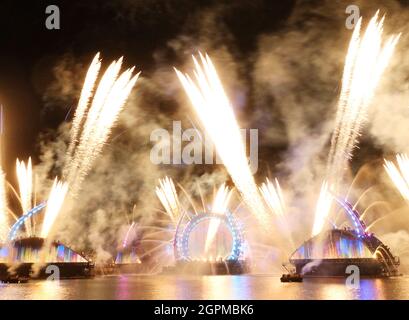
399,174
86,94
322,209
273,196
167,195
4,223
54,204
220,205
125,242
221,200
210,102
25,183
98,119
365,63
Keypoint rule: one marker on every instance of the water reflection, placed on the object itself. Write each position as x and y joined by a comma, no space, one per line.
207,287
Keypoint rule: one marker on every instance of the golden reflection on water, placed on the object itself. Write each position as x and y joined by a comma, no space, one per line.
46,290
206,287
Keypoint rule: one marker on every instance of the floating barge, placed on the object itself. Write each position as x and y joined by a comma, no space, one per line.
27,258
331,253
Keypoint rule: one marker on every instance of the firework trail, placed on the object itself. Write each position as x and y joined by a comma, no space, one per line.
220,205
4,223
25,183
210,102
54,204
221,200
100,117
273,196
168,196
86,94
322,209
399,174
365,63
125,242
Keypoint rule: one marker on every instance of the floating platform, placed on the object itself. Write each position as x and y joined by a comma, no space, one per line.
75,270
331,253
27,258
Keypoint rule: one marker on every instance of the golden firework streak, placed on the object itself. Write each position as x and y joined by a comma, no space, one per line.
210,102
25,183
220,205
366,60
98,119
54,205
399,174
4,223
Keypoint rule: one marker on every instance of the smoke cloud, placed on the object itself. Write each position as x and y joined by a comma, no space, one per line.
285,84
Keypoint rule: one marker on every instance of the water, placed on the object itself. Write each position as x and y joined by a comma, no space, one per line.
206,287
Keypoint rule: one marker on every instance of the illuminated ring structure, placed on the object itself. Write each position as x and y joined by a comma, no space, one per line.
14,229
182,238
359,225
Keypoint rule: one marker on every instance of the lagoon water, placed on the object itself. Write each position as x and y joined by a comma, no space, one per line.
205,287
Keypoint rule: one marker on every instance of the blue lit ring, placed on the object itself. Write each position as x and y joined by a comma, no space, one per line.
14,229
182,241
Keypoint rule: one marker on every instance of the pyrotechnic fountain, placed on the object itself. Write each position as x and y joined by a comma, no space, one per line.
367,58
213,107
205,241
211,240
90,130
330,252
399,174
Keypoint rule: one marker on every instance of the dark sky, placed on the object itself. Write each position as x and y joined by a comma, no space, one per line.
134,29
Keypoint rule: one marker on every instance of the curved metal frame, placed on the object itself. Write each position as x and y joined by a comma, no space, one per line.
17,225
354,215
181,241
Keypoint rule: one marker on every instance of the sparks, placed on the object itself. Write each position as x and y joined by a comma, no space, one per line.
221,200
86,94
399,174
125,242
168,196
25,183
273,196
4,223
54,204
322,209
210,102
220,205
366,60
99,118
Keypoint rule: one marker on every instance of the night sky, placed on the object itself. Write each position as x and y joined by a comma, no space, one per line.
132,28
29,50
